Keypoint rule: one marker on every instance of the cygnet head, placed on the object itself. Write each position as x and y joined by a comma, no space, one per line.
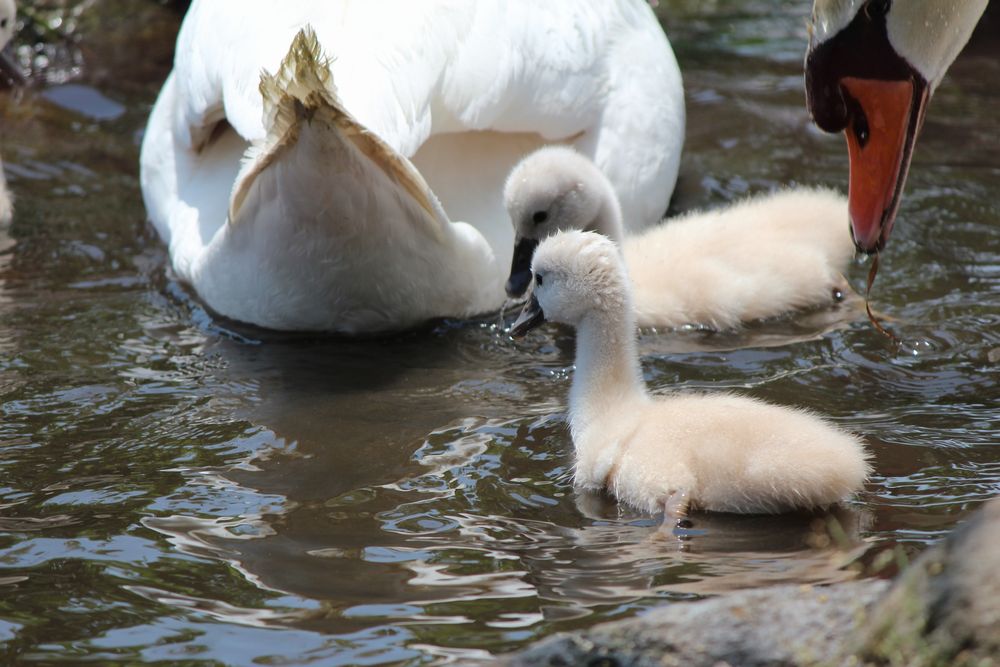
8,19
555,189
577,274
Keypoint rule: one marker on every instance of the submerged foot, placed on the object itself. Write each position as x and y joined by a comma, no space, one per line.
675,509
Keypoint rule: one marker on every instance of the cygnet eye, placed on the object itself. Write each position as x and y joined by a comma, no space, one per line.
3,23
877,8
538,279
539,217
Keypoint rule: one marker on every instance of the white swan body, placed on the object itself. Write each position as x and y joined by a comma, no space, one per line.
340,218
719,452
8,22
756,259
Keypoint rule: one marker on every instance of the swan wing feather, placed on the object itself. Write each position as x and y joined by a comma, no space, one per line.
303,90
535,75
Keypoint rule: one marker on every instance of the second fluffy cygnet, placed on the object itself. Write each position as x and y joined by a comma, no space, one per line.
760,258
718,452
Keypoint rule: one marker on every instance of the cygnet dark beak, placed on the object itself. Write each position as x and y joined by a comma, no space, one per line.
520,267
531,316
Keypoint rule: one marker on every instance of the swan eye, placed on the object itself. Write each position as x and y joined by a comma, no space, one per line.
3,23
538,279
877,8
539,217
861,129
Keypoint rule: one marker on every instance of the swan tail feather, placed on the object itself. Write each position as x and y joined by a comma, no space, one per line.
303,91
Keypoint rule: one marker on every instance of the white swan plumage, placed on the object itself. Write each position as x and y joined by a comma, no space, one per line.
380,126
716,452
871,69
763,257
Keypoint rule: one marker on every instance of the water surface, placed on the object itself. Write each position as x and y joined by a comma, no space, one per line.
173,488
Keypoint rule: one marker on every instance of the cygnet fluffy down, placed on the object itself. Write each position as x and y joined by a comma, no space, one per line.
717,452
760,258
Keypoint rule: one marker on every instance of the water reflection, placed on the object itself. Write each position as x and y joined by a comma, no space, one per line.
420,550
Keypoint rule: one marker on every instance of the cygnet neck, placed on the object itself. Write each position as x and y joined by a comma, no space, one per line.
607,365
608,221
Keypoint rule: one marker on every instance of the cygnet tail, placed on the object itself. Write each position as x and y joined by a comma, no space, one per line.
302,93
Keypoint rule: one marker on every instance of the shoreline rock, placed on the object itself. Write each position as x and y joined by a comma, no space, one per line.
785,625
943,610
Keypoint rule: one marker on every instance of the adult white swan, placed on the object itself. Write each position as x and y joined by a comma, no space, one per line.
871,68
307,198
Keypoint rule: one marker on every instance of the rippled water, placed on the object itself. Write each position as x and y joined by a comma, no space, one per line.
174,489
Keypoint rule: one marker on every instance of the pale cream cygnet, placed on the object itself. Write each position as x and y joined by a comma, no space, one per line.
717,452
757,259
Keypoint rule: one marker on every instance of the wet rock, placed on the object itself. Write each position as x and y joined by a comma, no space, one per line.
786,625
944,610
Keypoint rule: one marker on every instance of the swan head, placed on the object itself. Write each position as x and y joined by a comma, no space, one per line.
576,274
8,23
871,67
551,190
